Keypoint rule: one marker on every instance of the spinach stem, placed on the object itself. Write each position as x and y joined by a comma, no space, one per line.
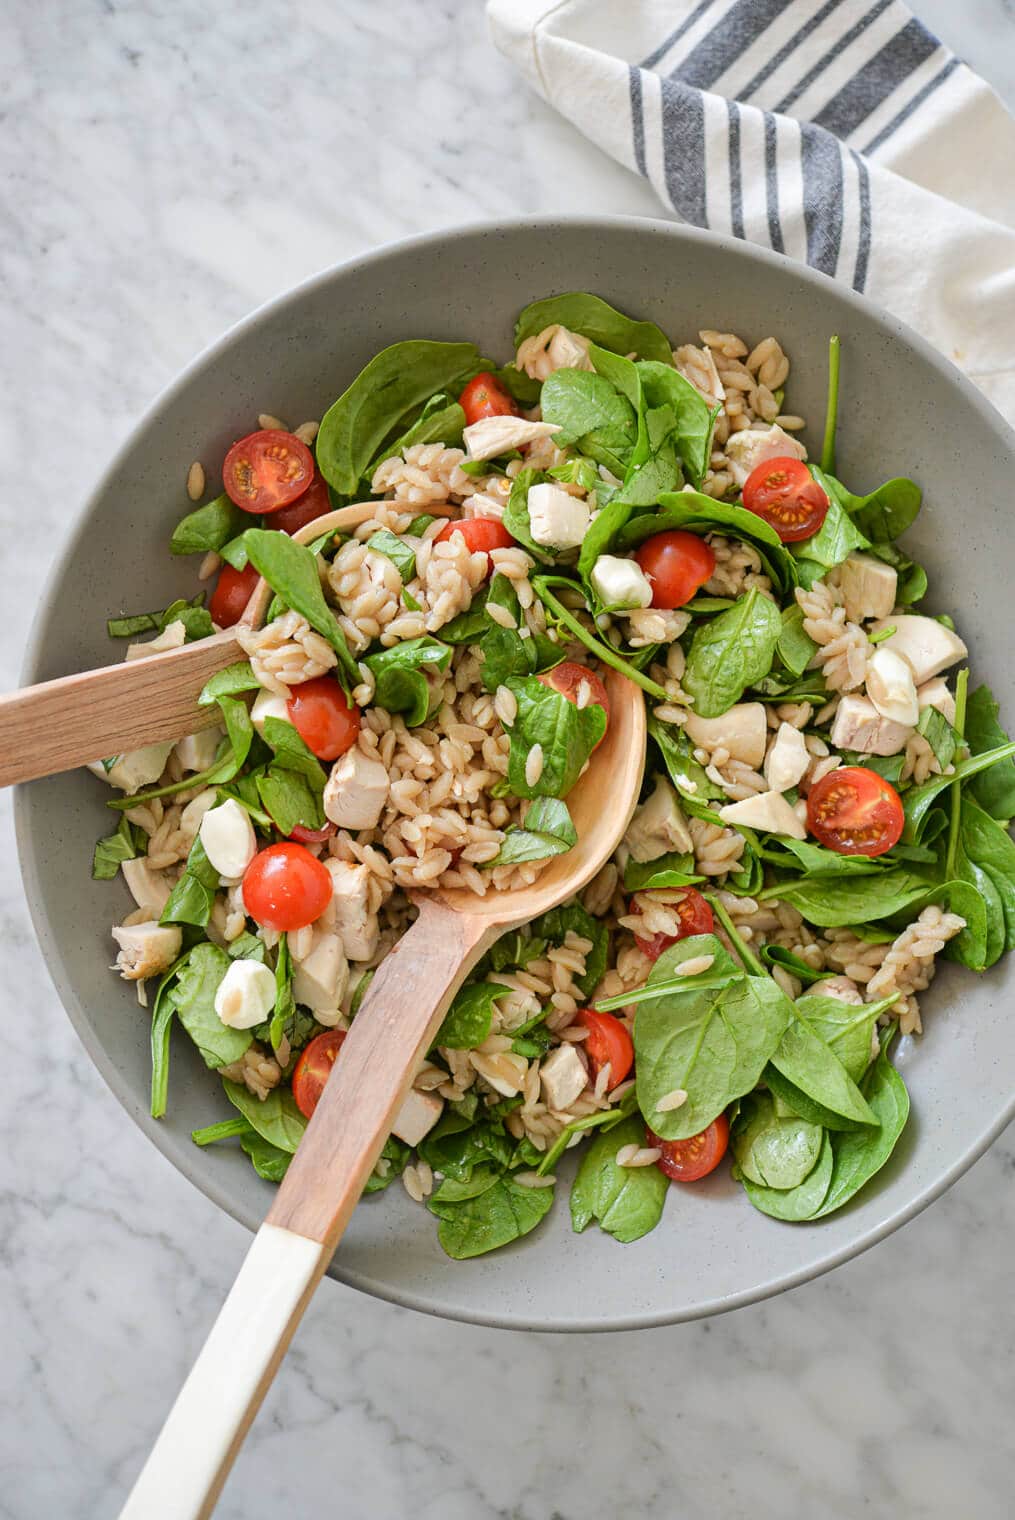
961,686
601,650
751,963
831,408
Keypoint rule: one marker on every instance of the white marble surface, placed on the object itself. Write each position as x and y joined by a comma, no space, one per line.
166,167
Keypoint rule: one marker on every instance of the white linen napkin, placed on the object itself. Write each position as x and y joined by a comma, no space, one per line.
841,133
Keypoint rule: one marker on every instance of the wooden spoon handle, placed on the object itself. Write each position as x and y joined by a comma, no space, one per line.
100,713
394,1029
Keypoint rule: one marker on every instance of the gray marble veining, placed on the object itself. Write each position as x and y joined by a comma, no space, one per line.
166,167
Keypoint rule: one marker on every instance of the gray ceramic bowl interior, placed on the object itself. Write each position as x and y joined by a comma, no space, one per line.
904,410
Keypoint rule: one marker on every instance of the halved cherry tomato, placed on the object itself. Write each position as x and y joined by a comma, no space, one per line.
314,502
677,563
313,836
484,396
324,718
608,1041
285,887
854,811
569,677
484,533
783,492
690,1160
314,1068
233,591
267,470
695,918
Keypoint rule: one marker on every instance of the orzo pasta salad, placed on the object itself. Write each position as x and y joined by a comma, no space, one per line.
824,812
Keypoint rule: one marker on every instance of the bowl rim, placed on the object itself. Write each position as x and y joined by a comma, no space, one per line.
216,1192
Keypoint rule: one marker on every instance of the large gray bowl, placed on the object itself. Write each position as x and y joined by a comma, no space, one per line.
904,410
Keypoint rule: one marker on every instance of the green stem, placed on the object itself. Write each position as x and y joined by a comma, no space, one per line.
832,408
751,963
224,1131
602,651
961,686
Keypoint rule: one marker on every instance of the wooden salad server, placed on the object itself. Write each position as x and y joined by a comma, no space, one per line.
392,1032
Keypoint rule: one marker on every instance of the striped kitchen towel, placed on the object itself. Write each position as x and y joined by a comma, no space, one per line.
841,133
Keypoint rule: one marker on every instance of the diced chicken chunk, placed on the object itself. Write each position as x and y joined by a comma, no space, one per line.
322,975
197,751
267,704
935,693
171,637
768,811
137,768
927,646
658,825
751,447
868,587
356,790
348,913
246,994
859,726
742,729
227,835
620,583
491,436
787,760
149,889
146,949
417,1117
557,520
562,1077
891,688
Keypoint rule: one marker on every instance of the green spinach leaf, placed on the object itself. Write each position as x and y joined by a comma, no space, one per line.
209,527
401,554
591,413
802,1201
125,844
467,1022
994,789
731,652
291,570
193,896
547,830
502,1213
773,1149
400,676
566,734
593,318
276,1118
857,1155
197,982
626,1202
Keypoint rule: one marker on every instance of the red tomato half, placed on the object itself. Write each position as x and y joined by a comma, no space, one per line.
569,677
267,470
695,918
691,1159
233,591
677,563
783,492
484,533
486,397
608,1041
285,887
324,718
314,502
854,811
314,1068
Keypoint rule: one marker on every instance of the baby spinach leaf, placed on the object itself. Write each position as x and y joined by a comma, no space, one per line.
547,830
209,527
553,927
591,413
452,1190
292,788
442,420
939,734
269,1161
802,1201
835,540
459,1141
125,844
694,418
396,1154
196,985
362,988
835,902
276,1118
193,896
994,789
604,1119
401,554
673,870
731,652
514,950
885,513
400,676
467,1022
802,854
795,648
858,1154
379,400
560,616
626,1202
502,1213
193,615
777,955
695,787
773,1149
845,1028
987,845
803,1057
229,683
469,626
793,1100
594,318
918,799
566,734
713,1042
291,570
163,1010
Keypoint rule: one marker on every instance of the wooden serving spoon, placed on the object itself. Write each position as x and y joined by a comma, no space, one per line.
107,712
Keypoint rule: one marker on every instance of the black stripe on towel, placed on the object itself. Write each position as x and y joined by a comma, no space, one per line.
675,36
821,161
729,38
779,58
772,184
863,246
637,120
907,111
683,120
882,74
833,53
736,188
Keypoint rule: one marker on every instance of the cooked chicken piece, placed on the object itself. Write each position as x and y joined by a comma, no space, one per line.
787,760
491,436
348,914
868,587
322,975
751,447
557,520
137,768
927,646
356,791
859,726
935,693
658,825
562,1077
227,835
891,688
197,751
417,1117
149,889
768,812
146,949
741,729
